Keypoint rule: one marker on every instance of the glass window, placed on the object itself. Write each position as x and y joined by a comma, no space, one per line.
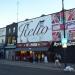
13,40
2,41
9,30
14,30
9,40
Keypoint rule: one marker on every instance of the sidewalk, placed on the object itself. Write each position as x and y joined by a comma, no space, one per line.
50,66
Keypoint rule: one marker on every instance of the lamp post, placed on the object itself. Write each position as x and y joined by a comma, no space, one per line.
63,16
64,36
17,10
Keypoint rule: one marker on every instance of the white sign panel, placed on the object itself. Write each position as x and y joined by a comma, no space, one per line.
56,27
35,30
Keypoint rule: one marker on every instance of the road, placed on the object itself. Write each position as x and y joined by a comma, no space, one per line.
20,70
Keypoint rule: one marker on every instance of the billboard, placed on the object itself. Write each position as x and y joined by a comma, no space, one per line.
35,30
56,26
70,23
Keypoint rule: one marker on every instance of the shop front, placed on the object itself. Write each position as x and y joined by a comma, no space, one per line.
2,53
2,49
29,54
35,51
67,54
10,52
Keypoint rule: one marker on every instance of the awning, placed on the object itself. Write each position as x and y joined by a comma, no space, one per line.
9,47
33,49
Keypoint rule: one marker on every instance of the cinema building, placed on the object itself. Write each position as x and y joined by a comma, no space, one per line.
42,36
34,38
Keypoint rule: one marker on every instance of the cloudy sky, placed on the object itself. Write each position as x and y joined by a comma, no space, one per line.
29,9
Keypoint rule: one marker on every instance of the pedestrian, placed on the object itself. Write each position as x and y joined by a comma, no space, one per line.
39,57
33,57
42,57
45,59
57,60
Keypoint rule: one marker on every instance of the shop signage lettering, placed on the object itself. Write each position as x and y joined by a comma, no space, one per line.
57,44
39,29
32,44
68,44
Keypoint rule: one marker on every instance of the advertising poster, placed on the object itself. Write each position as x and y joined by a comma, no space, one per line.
55,18
55,27
70,19
70,15
71,34
56,36
61,17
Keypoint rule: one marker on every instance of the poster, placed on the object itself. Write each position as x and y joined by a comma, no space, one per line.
70,15
71,34
56,35
55,18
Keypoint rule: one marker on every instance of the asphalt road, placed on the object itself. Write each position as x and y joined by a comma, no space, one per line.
18,70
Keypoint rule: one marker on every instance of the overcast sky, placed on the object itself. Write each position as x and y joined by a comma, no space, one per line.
29,9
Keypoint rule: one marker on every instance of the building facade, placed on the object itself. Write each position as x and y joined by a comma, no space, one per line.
2,42
69,18
39,37
34,37
11,40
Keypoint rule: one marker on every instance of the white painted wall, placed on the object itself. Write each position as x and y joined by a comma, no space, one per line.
33,26
2,35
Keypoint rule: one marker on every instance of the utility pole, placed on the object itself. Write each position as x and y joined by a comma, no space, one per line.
65,40
17,9
63,16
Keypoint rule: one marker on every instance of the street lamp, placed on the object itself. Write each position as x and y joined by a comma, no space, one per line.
64,40
63,16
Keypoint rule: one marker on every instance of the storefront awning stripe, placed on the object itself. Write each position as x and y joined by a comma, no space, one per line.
33,49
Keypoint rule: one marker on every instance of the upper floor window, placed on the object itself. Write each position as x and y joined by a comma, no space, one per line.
14,30
13,40
9,30
9,40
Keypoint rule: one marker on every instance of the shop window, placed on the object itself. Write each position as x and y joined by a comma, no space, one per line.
9,30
